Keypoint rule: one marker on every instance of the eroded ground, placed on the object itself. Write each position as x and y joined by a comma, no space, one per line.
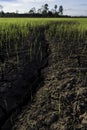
61,101
49,92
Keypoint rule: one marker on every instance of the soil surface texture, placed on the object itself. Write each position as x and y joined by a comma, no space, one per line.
60,103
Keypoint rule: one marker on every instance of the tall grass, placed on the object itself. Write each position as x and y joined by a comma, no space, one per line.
17,35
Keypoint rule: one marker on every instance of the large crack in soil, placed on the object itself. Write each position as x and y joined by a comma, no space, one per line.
33,82
19,85
55,96
61,102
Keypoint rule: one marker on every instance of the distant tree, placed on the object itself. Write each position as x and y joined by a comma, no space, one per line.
50,13
61,10
55,7
1,8
32,10
39,11
1,11
17,11
53,11
45,9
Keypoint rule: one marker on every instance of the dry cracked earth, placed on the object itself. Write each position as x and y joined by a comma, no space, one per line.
60,103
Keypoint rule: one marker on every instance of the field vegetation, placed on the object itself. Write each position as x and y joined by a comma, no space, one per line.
17,34
29,45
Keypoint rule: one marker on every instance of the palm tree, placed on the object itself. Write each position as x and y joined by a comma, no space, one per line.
32,10
55,7
61,10
45,9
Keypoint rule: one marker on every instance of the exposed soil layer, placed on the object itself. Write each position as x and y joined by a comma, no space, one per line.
47,93
61,101
20,80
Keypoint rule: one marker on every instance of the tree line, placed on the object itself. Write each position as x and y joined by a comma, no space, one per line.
44,11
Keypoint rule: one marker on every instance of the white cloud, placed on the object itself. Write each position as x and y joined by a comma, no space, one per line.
22,5
25,5
34,1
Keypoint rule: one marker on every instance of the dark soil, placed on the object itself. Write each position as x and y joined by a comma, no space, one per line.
61,101
45,95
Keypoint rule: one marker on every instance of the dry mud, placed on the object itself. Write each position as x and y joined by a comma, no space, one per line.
47,95
61,101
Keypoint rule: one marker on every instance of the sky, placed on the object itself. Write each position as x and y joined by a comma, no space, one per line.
71,7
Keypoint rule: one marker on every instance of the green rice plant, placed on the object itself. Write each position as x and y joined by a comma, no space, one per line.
17,56
17,35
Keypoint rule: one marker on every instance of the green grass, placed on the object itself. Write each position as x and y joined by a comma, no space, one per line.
82,21
19,33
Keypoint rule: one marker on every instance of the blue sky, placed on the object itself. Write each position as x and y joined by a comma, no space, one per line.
74,7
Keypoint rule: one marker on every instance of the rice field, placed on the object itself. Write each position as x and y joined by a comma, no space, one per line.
18,34
24,47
